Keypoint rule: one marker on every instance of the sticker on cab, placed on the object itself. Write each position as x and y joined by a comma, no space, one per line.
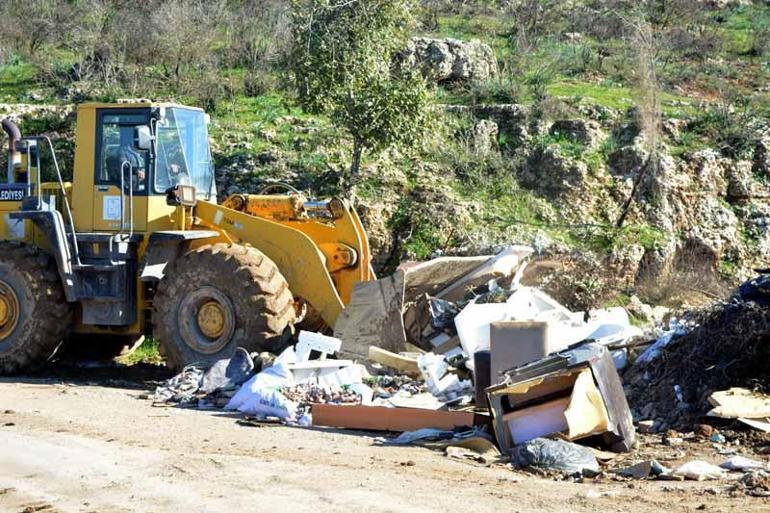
111,208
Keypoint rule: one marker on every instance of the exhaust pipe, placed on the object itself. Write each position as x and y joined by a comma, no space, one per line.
14,136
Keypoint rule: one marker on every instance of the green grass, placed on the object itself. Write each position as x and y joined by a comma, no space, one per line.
16,80
739,25
148,353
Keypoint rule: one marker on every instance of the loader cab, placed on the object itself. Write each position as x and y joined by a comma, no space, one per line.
128,155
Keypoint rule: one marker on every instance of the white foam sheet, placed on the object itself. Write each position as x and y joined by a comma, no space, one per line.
566,328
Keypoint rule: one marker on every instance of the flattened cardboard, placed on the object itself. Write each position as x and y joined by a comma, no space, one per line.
380,418
586,414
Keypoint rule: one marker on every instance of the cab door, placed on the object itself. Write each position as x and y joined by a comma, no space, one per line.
119,163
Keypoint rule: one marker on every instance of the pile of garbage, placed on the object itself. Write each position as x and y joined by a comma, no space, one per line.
724,346
456,354
455,351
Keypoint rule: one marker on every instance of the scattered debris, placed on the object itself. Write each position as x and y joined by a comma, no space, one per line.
511,360
373,317
758,424
398,362
726,348
718,438
756,483
742,463
698,471
228,374
739,403
642,470
181,388
408,437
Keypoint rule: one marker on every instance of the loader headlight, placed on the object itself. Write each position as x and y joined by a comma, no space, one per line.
181,195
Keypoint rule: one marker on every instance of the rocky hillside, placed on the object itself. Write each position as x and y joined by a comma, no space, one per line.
545,120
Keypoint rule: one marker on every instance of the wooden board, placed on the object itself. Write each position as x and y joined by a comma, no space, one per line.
395,361
503,264
433,275
380,418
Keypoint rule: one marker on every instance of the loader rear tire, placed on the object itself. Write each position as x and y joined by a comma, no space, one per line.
34,314
219,297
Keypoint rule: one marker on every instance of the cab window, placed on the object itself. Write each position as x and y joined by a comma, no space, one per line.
116,150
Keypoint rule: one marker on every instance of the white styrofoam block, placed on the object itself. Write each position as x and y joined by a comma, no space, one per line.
472,325
310,341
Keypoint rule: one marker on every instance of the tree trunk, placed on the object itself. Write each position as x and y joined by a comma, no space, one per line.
639,177
355,167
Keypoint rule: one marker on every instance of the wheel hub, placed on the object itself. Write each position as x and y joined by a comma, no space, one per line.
211,319
9,310
206,320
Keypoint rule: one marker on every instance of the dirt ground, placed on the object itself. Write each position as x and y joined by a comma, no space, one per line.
92,444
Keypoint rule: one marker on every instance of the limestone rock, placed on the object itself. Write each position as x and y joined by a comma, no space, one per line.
449,60
673,128
484,136
761,163
548,171
716,230
656,262
627,160
709,169
624,262
587,132
18,111
511,118
645,312
739,180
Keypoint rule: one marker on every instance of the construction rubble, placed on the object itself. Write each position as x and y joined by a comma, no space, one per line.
456,355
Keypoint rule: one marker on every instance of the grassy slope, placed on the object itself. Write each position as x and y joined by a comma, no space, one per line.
255,124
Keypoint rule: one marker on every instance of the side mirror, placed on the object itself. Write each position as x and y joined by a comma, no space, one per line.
143,138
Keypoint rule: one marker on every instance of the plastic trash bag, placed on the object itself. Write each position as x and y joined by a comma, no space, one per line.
442,313
557,455
756,290
676,329
262,394
698,470
408,437
228,373
181,388
743,463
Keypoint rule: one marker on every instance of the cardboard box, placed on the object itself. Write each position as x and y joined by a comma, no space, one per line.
380,418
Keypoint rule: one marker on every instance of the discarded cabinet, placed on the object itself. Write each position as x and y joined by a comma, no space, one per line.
575,393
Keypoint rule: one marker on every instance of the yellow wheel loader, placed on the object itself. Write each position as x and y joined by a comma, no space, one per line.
136,244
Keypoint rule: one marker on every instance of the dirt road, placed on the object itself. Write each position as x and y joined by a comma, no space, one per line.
88,446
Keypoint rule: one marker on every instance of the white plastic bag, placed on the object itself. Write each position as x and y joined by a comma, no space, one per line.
698,470
262,395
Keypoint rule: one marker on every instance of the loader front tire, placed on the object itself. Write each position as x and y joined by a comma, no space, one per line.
34,314
219,297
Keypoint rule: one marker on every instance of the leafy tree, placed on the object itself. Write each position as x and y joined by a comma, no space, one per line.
343,57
